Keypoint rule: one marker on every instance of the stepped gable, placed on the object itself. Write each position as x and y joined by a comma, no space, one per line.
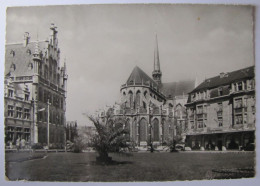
226,78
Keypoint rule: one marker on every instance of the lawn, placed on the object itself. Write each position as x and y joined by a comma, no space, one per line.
139,167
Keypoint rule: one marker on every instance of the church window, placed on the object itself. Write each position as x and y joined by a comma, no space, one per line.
130,94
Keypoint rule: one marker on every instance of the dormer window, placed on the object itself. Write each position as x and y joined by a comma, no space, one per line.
220,91
239,86
12,52
28,51
30,66
12,68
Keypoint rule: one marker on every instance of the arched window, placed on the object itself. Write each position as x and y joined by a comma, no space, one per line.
138,99
155,125
163,130
131,101
142,130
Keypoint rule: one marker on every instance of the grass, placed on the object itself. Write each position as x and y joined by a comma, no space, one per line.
139,167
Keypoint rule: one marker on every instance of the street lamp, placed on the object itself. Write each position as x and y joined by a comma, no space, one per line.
150,126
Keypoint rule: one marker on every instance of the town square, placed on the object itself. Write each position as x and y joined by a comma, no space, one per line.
130,93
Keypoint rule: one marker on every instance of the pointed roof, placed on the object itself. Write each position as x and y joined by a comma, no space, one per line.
138,76
156,56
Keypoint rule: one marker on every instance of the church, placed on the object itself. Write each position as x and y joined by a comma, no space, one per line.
155,111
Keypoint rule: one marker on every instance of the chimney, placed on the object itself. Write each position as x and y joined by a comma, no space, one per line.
26,39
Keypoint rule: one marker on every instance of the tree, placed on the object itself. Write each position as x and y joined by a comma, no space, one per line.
110,136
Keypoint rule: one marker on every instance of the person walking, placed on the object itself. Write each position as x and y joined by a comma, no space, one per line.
18,144
23,144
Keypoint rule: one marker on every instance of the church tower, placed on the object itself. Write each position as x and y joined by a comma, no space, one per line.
157,74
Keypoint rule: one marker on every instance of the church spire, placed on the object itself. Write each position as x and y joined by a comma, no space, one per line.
157,74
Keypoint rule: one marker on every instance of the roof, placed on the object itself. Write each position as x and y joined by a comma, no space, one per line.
138,76
226,78
21,57
177,88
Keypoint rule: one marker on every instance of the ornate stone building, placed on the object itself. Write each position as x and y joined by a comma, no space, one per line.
154,110
221,112
35,91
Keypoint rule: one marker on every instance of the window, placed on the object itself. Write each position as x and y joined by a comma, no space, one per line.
239,86
245,102
18,112
30,66
199,109
26,97
220,107
26,113
220,122
239,119
10,111
245,118
200,124
10,93
192,125
220,91
238,103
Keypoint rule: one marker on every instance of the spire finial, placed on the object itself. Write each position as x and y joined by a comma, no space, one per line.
157,71
156,55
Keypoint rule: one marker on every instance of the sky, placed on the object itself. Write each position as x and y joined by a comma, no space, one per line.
103,43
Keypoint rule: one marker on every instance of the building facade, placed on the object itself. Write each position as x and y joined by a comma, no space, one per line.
35,91
221,112
153,110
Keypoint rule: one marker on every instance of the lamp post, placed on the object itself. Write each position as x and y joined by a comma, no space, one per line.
48,124
150,126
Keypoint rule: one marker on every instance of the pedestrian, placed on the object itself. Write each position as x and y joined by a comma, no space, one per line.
18,144
23,144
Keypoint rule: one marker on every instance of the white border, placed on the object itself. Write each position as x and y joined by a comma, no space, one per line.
8,3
